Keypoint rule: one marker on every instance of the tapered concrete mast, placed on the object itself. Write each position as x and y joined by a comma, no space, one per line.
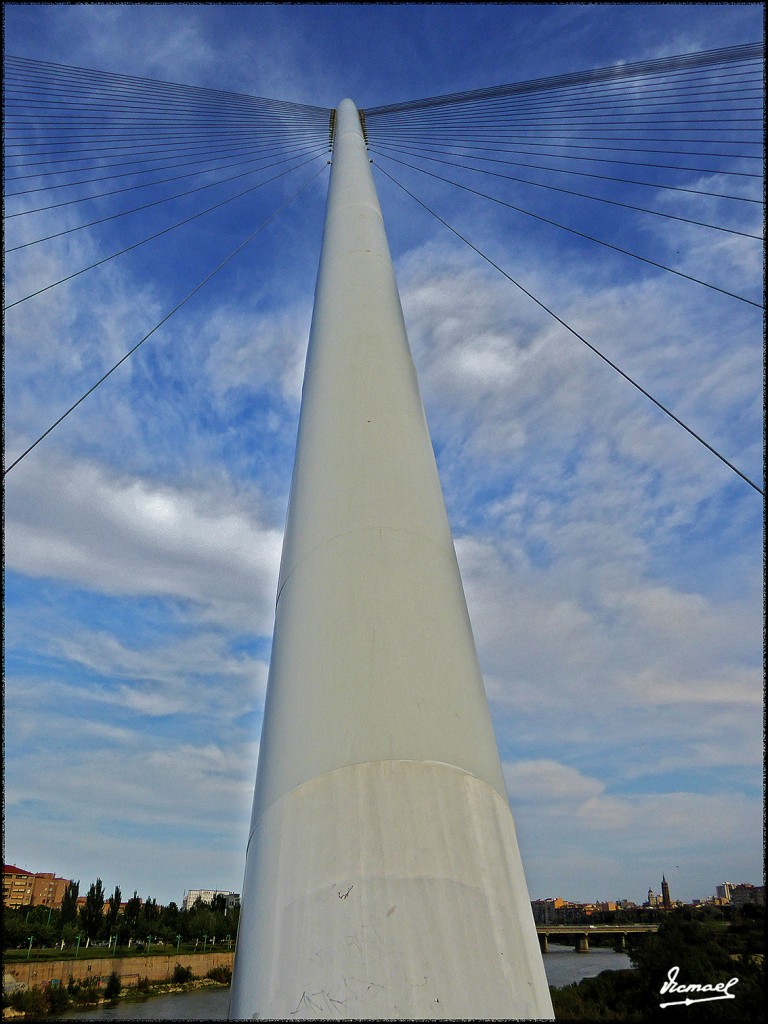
383,878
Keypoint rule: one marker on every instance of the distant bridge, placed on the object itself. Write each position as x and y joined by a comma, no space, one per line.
580,933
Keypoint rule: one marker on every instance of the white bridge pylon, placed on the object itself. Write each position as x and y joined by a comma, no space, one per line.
383,878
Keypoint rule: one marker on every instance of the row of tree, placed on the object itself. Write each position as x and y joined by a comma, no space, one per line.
99,919
704,951
544,914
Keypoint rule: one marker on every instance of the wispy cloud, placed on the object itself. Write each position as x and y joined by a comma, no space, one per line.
119,534
611,564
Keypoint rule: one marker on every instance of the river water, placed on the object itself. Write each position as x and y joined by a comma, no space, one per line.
562,965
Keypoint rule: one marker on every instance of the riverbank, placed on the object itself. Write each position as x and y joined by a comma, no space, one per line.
201,1000
157,968
44,988
132,998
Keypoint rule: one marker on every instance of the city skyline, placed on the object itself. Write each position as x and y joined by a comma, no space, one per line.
612,568
721,890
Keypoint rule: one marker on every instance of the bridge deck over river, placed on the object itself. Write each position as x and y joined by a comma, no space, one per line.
581,933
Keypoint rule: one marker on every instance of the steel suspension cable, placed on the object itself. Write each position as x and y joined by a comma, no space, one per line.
87,74
691,85
89,99
133,162
599,160
270,144
651,100
612,90
417,150
609,114
581,234
124,174
160,138
579,113
562,145
712,83
581,195
101,195
157,234
104,102
168,152
146,206
160,323
528,135
576,334
665,65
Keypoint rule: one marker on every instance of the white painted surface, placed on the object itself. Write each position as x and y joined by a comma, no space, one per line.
373,655
373,663
390,890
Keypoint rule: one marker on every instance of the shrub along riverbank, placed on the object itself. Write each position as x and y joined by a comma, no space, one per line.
705,953
38,1002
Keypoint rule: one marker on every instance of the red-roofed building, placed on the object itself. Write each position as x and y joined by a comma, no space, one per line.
23,888
17,886
106,908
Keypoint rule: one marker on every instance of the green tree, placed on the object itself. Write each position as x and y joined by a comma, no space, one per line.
201,922
233,919
14,930
57,997
88,991
114,986
68,934
114,908
169,921
92,914
150,911
221,973
69,903
132,912
612,995
181,974
32,1002
704,953
46,931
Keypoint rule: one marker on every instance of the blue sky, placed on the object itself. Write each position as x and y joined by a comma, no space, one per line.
612,566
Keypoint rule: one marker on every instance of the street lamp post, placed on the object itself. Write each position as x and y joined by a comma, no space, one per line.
77,949
31,937
205,938
178,943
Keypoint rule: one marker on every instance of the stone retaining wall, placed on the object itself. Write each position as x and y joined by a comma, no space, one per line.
129,968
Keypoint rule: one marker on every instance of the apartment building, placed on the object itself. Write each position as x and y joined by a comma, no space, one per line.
207,896
23,888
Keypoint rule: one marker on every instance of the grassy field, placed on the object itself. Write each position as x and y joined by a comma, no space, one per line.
15,956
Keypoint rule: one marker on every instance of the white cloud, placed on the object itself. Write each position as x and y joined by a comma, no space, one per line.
158,814
609,561
118,534
611,846
548,782
255,352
